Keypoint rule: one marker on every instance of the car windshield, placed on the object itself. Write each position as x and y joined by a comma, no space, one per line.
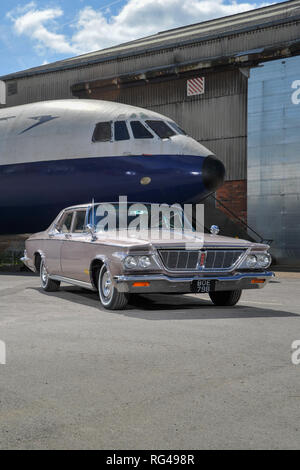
114,216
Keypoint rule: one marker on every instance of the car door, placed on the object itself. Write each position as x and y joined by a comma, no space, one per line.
54,244
74,259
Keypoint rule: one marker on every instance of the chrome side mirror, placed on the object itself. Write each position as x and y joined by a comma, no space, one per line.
214,230
91,230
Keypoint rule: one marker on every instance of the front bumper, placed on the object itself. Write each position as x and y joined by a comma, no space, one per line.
28,262
161,283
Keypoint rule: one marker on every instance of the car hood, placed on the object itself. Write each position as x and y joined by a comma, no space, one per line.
186,240
121,239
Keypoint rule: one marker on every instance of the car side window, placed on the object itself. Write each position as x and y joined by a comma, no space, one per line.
79,224
67,223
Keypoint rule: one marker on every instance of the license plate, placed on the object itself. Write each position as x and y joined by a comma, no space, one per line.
202,286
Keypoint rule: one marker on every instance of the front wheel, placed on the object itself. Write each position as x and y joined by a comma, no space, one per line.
226,298
47,284
110,298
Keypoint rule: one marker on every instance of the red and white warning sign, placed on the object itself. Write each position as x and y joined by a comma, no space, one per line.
196,86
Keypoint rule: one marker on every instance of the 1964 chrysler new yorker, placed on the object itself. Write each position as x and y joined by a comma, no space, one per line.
78,250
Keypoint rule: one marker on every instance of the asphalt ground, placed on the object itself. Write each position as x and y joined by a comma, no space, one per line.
170,372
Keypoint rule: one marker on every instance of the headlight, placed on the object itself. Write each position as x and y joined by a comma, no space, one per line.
131,262
144,262
137,262
256,260
264,260
251,261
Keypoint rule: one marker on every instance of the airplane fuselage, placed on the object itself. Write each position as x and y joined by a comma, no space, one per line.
60,153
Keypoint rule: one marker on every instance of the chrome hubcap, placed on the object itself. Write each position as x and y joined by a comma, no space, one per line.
44,275
106,285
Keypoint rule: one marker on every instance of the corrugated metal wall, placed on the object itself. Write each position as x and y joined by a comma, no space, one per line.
217,118
56,85
274,156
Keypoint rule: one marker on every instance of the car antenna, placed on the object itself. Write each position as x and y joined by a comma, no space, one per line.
93,212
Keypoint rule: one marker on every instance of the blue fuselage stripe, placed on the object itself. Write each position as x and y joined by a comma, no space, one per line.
32,194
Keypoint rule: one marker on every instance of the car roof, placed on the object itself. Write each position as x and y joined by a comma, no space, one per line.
86,205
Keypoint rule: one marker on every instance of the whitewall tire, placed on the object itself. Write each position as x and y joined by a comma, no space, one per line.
109,296
48,285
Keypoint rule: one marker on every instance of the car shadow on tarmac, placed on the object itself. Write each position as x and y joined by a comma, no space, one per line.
6,273
168,307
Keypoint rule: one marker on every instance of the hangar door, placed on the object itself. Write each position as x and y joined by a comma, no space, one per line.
274,156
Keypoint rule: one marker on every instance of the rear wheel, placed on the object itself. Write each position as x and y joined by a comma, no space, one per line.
47,284
226,298
110,298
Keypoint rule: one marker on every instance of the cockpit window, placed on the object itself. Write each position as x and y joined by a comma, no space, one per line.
121,131
102,132
161,129
177,128
139,131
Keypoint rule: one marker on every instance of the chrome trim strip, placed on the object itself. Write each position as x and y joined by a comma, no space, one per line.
74,282
162,277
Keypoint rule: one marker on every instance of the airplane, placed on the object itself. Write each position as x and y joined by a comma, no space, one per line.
55,154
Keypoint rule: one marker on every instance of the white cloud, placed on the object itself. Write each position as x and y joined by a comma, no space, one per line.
30,21
92,30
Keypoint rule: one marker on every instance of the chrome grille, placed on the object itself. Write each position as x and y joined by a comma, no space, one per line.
181,260
222,259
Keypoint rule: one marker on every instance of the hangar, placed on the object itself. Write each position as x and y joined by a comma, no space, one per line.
232,83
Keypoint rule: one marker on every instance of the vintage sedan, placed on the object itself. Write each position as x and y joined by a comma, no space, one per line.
79,249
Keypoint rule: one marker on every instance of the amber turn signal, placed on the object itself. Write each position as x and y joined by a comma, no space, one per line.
141,284
257,281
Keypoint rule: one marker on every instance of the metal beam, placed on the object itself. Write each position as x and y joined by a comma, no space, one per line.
239,60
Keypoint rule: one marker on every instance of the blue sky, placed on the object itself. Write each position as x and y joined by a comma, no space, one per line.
35,32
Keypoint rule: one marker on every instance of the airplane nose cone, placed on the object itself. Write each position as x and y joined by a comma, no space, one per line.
213,173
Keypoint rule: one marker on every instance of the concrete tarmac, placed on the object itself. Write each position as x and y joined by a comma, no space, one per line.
170,372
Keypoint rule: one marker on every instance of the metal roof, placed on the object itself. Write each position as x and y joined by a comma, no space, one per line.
251,20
